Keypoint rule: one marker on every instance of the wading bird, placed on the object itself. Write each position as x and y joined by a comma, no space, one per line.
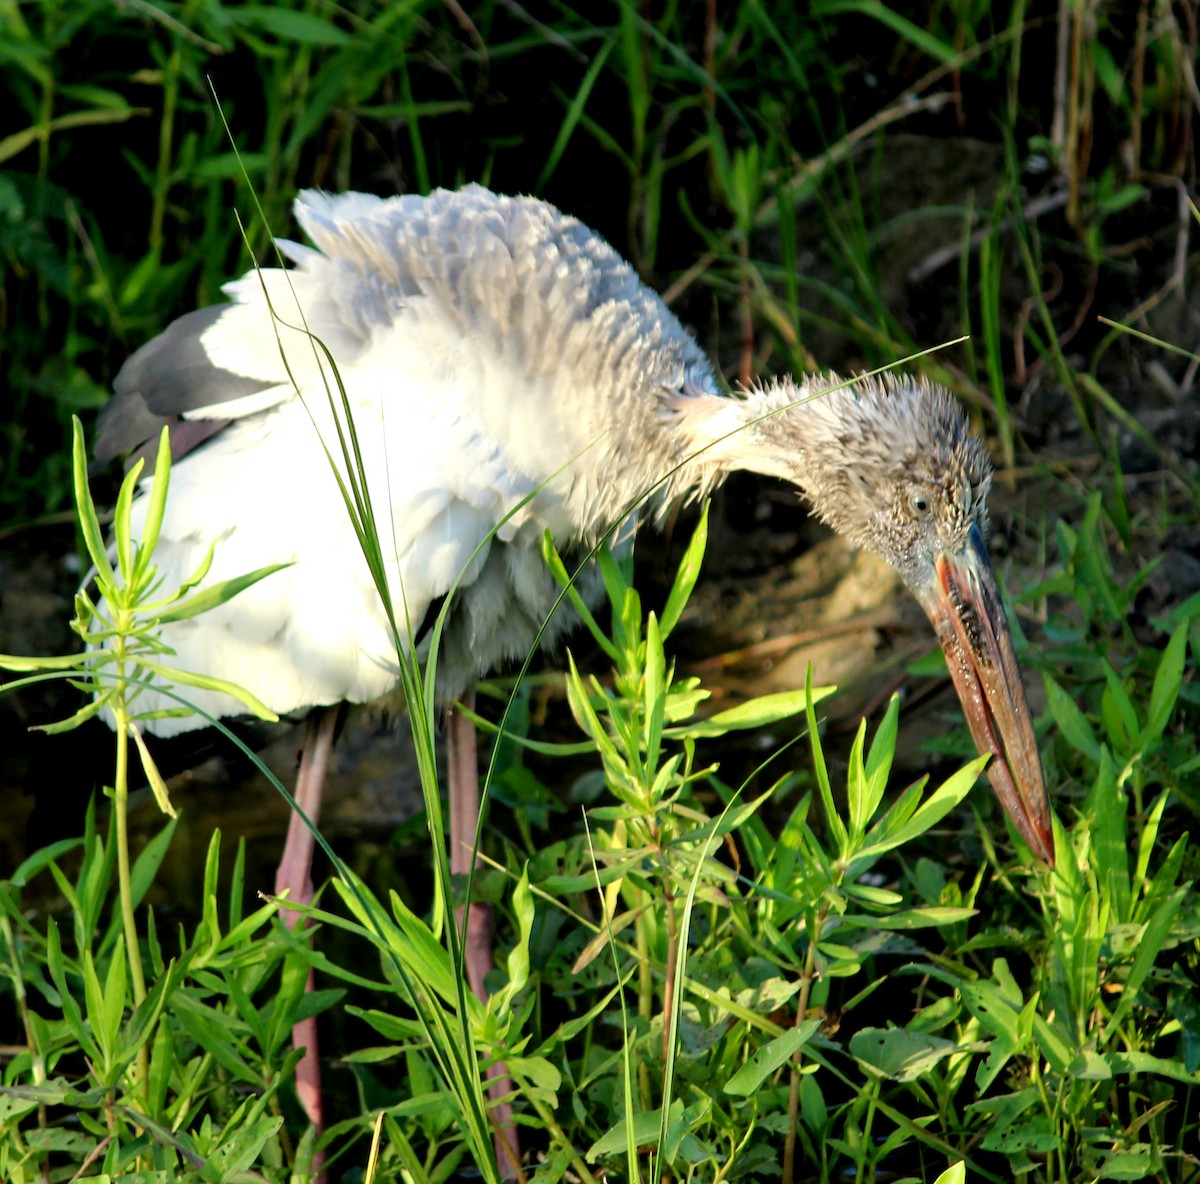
495,350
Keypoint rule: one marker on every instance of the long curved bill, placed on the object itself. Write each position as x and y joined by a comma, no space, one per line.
963,603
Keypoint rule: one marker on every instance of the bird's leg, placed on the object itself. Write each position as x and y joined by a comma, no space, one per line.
462,761
295,866
295,877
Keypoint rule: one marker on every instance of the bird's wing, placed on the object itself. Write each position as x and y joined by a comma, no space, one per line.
491,349
560,339
527,323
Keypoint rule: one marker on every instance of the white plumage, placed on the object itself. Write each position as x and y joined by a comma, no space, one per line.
465,328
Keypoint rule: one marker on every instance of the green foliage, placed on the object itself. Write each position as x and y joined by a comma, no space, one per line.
1113,695
692,986
147,1051
182,1079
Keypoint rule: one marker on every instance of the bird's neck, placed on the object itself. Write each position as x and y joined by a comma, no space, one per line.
809,433
760,430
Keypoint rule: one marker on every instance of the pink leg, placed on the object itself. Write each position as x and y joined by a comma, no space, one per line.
295,874
463,774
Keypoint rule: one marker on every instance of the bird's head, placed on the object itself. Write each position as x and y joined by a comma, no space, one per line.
893,465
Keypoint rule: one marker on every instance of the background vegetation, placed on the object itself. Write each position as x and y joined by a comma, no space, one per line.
835,184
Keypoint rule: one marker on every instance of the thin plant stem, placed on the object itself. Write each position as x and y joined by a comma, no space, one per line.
645,1002
125,887
808,975
672,958
166,140
872,1091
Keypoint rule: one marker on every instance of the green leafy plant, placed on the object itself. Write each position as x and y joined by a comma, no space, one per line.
184,1080
129,1054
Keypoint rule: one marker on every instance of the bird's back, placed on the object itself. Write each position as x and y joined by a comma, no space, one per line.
491,349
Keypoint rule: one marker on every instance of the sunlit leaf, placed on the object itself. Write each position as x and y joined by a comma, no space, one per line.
1072,723
686,575
216,594
898,1054
770,1057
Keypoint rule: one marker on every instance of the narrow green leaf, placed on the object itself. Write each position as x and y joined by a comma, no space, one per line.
613,870
38,861
213,1031
202,569
836,826
206,682
56,964
882,753
616,585
518,957
18,142
542,747
161,794
1167,680
149,860
686,575
655,684
904,28
885,835
24,665
770,1057
1149,945
301,28
558,570
93,1002
156,502
1072,723
216,594
956,1173
882,898
237,1154
919,918
1106,807
729,820
85,508
574,113
757,713
585,715
1116,508
122,531
1120,716
603,937
856,785
86,712
114,1001
1054,1047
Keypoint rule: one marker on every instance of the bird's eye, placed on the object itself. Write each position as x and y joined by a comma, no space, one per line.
919,503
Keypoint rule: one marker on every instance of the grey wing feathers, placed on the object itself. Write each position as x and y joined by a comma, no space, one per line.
169,376
524,284
513,270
